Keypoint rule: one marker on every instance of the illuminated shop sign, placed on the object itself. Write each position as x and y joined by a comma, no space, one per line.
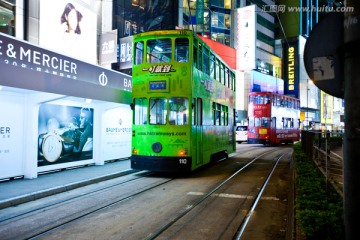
50,68
291,68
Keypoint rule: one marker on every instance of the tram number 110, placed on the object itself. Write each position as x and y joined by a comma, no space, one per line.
182,161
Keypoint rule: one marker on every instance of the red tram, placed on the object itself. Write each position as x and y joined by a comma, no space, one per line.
273,118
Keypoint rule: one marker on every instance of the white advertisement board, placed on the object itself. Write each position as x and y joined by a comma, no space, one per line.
68,28
246,38
11,136
116,133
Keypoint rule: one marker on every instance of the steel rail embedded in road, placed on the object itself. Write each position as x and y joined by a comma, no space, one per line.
191,207
243,224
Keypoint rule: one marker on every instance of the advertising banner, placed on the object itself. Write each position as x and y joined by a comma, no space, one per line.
246,38
291,68
108,49
43,70
11,136
125,52
68,27
65,134
116,133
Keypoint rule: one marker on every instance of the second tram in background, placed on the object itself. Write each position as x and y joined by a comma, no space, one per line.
183,103
273,118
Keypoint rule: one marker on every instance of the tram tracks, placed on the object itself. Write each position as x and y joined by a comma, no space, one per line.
176,205
242,226
72,211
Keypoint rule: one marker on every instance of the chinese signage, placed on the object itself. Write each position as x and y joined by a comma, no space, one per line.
245,39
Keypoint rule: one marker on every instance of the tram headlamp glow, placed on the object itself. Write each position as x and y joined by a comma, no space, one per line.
182,153
135,151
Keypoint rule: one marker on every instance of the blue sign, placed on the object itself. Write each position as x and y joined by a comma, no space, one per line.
157,85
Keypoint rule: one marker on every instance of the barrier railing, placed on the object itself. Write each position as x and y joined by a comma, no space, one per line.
325,149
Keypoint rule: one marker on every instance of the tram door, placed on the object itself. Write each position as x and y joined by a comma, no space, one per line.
199,130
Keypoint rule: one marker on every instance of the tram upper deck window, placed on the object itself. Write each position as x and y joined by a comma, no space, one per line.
267,99
158,110
179,111
139,53
182,49
140,111
158,50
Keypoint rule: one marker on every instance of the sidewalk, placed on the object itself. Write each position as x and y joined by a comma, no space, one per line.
19,191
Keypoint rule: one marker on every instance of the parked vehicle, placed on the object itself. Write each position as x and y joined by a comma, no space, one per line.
241,134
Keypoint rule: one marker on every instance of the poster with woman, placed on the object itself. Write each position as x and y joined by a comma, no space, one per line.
68,27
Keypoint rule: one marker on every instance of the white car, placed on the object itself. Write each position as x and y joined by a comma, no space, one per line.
241,134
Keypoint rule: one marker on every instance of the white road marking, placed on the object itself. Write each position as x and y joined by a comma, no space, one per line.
227,195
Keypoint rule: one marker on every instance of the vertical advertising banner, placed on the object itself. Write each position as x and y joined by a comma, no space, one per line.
246,38
11,136
108,47
125,52
291,68
65,134
68,28
200,12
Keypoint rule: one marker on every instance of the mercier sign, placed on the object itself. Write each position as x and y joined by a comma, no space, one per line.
25,65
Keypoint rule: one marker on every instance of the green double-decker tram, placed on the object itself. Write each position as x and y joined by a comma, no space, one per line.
183,103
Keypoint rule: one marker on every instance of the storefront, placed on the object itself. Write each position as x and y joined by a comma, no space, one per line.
59,112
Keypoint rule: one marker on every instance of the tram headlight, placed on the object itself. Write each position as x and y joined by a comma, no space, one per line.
182,153
135,151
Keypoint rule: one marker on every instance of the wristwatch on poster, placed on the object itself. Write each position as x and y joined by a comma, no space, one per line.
52,147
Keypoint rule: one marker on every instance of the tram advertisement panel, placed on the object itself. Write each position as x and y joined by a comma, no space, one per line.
65,134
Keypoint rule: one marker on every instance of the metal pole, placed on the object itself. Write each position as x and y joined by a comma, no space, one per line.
352,120
307,104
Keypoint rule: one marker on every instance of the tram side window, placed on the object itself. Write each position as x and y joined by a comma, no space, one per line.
179,111
267,99
251,99
182,49
140,111
206,61
157,110
217,70
216,113
200,59
273,122
257,122
195,54
224,115
158,50
265,122
139,53
288,123
212,63
251,121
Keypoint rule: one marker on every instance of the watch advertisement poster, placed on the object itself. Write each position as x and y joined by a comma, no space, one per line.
65,134
11,135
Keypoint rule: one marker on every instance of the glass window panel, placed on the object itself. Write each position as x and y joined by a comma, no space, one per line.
178,111
157,111
182,50
140,111
139,53
158,50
